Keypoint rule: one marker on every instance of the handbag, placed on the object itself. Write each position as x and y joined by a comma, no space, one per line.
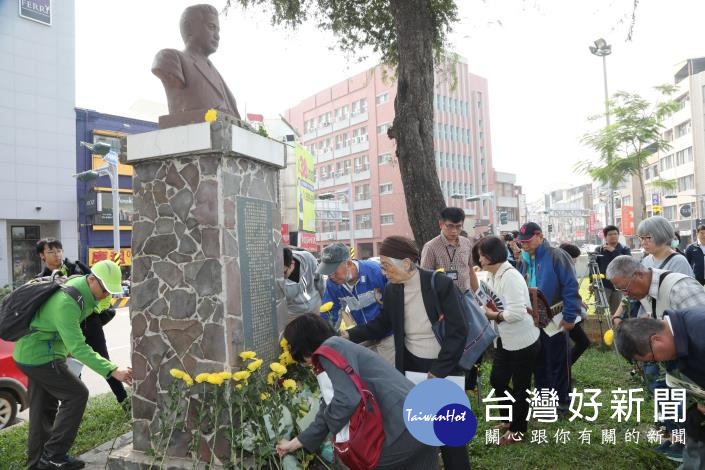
366,431
479,332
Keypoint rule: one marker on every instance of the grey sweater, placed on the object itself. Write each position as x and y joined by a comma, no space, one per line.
388,385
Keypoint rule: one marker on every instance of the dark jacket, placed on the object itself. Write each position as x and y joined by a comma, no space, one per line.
392,317
605,257
689,334
696,259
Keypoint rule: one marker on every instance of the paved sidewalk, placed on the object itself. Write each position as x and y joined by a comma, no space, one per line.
97,458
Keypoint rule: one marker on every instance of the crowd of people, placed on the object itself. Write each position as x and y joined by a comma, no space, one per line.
392,300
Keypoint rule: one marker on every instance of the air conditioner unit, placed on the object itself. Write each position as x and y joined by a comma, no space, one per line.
326,124
339,173
329,236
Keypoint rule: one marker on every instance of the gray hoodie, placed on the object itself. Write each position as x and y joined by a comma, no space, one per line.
304,296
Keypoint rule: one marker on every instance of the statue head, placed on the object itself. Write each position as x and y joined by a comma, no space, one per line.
200,29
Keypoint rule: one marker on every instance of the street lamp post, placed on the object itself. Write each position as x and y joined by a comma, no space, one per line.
493,209
111,170
602,49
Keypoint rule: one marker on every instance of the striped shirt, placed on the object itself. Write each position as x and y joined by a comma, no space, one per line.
440,253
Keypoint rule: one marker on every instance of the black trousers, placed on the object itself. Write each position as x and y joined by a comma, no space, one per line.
95,338
580,342
53,427
454,458
553,365
516,366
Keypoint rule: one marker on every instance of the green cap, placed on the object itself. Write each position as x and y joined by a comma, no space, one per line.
109,274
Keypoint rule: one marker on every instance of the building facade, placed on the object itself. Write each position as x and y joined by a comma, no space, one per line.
95,211
345,128
510,202
684,162
37,133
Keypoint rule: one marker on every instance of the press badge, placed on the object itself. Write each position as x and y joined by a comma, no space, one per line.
452,274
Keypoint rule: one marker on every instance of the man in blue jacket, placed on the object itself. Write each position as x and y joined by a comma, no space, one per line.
354,287
550,270
695,253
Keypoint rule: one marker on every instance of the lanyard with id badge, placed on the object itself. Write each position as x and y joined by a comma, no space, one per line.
452,272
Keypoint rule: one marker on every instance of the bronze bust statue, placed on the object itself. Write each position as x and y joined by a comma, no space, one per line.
192,83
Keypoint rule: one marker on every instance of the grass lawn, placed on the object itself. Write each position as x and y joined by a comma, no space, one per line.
597,368
103,420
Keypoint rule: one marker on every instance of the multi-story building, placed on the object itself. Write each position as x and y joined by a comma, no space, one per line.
569,212
509,200
95,204
684,162
37,133
345,128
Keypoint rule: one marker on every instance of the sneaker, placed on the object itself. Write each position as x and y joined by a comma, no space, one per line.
663,447
501,426
675,452
60,462
510,438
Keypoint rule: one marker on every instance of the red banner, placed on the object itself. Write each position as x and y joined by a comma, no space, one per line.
628,220
307,241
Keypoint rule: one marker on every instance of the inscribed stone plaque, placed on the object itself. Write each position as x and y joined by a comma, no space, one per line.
254,230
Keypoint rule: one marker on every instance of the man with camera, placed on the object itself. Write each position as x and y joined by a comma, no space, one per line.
605,254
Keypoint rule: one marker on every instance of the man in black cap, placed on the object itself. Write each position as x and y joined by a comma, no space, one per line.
355,287
551,271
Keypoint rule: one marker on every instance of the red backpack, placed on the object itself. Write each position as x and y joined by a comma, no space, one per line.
362,450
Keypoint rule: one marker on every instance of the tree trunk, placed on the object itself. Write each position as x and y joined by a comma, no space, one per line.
413,122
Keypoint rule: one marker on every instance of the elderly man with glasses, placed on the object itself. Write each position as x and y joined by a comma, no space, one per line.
678,337
656,289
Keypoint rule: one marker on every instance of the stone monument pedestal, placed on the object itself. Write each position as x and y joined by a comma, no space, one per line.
207,268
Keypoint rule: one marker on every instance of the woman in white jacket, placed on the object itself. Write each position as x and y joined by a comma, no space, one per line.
518,344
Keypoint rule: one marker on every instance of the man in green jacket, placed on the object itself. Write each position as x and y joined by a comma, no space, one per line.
41,355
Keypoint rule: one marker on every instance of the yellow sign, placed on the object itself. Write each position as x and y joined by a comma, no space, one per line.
99,254
305,189
656,209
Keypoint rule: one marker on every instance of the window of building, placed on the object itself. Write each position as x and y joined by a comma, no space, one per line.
385,158
386,219
666,163
341,140
382,128
362,163
647,174
669,212
683,129
686,182
385,188
362,192
359,135
341,113
324,120
363,221
382,98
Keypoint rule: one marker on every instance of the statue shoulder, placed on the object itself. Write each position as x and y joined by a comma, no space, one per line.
167,66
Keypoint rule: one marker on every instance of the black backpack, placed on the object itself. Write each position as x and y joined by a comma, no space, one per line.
19,307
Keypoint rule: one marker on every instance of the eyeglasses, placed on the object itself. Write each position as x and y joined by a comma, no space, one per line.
626,289
645,238
453,226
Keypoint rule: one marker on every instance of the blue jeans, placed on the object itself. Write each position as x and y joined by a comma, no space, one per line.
652,373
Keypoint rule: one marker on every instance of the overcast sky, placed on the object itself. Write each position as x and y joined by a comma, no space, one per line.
543,81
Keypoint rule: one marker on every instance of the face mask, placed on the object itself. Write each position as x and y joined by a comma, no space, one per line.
674,244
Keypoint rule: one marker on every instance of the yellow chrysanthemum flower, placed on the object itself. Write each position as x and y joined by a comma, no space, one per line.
264,396
211,115
608,337
285,358
238,386
215,379
200,378
271,377
188,380
177,373
226,375
241,375
279,369
245,355
326,307
289,384
284,344
254,365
